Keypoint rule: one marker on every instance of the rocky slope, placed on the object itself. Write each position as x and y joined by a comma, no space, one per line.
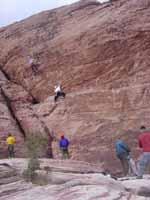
100,54
67,180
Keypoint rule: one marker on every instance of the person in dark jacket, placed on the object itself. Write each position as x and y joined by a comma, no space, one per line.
64,144
122,152
144,143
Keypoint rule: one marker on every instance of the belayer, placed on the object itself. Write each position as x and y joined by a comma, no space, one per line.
10,142
123,152
64,144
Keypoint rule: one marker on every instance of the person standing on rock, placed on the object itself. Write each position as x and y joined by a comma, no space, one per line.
10,142
58,91
122,152
144,143
64,144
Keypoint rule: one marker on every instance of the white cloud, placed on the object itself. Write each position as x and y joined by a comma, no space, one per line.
14,10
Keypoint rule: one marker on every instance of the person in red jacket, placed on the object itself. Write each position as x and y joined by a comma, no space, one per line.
144,143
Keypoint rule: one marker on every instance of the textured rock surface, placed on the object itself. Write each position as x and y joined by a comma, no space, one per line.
100,54
65,180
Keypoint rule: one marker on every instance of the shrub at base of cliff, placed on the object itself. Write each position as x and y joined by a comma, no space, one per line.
30,174
35,144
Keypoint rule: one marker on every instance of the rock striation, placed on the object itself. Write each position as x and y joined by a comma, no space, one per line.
100,55
66,180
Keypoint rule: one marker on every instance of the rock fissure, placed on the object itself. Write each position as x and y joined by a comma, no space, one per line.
8,102
7,76
34,99
5,73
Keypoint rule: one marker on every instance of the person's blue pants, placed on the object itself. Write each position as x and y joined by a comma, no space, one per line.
144,160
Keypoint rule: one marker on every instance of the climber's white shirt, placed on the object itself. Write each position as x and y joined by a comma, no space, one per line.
57,89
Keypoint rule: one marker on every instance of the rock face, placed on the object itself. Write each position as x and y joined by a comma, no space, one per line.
66,180
100,55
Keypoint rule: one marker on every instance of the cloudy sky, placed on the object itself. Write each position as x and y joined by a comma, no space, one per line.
15,10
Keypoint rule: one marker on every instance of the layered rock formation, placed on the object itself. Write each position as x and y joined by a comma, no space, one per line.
66,180
100,55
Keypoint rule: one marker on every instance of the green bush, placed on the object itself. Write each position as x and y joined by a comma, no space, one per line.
35,145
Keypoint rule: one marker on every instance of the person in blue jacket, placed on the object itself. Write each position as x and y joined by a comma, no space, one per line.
122,152
64,144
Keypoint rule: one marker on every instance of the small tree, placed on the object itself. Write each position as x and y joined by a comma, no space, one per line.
35,145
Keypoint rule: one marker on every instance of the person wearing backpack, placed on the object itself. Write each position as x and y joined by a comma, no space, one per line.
64,144
122,152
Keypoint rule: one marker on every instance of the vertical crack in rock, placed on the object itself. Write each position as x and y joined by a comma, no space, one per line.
6,75
34,99
8,102
47,132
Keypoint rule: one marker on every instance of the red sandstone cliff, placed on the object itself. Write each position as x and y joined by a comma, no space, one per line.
100,53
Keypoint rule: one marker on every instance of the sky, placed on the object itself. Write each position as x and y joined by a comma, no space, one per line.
15,10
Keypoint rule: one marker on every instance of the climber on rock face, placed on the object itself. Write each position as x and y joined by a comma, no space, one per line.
58,91
33,65
10,142
64,144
